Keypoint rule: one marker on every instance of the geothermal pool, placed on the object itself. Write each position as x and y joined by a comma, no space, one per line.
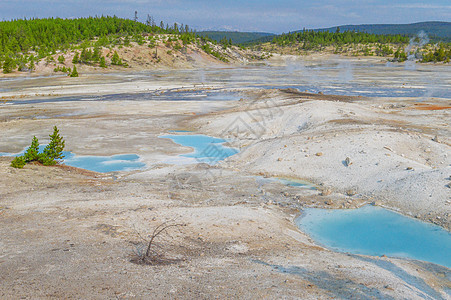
333,75
286,181
104,164
171,95
375,231
207,149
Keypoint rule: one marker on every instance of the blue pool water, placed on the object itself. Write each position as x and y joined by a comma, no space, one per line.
102,164
297,183
372,230
207,149
289,182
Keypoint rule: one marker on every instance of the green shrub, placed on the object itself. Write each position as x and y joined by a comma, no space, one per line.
18,162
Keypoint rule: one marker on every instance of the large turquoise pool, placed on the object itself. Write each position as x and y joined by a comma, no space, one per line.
372,230
207,149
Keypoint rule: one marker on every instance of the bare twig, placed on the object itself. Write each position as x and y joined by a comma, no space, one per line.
153,254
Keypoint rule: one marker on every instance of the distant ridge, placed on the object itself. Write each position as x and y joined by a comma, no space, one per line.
435,29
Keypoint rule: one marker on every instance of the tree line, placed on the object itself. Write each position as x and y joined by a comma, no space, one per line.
311,39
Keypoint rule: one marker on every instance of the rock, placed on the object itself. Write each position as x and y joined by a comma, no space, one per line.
409,168
326,192
279,159
351,192
348,162
435,139
319,154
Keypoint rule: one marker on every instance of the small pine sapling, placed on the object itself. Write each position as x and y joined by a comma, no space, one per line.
102,62
32,153
54,150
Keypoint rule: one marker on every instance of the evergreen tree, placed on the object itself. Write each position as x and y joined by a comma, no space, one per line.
96,55
76,58
31,65
32,153
61,59
102,62
74,72
8,65
18,162
116,60
54,150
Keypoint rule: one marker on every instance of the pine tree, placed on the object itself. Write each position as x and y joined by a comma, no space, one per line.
18,162
74,72
61,59
116,60
76,58
96,55
102,62
32,153
31,65
54,150
8,65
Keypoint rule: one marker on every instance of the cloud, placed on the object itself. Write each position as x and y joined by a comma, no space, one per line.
420,6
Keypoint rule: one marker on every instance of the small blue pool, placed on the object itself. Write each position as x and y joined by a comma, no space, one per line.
102,164
286,181
372,230
207,149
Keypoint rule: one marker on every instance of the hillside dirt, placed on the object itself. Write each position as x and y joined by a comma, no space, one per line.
164,52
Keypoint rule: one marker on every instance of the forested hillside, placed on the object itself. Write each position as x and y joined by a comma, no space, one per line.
25,42
395,46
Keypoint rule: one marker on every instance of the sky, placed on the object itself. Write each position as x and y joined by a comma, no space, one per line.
275,16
